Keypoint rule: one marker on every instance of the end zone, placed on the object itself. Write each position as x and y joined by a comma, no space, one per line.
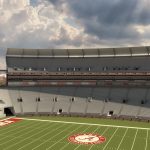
8,121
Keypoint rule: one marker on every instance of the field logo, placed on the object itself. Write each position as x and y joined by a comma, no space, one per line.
8,121
87,139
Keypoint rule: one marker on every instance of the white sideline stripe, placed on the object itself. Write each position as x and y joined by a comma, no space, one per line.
122,139
146,140
52,137
63,138
110,138
134,139
91,124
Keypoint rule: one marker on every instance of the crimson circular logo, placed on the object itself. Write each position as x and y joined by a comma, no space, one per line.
87,139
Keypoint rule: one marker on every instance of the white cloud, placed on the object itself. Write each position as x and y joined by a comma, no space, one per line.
14,4
37,26
66,23
43,25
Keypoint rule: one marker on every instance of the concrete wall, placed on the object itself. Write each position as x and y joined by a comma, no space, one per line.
103,100
5,97
96,64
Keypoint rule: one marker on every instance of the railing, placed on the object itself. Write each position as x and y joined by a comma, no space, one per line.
36,75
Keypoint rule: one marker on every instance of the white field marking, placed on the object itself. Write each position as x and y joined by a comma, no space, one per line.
14,125
28,136
91,124
19,127
101,135
146,140
17,133
63,137
40,136
93,133
10,126
14,130
134,139
110,139
82,132
122,139
51,137
69,142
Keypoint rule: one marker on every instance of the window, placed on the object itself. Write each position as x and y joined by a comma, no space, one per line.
38,99
20,99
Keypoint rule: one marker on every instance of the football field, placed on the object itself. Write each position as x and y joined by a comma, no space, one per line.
74,133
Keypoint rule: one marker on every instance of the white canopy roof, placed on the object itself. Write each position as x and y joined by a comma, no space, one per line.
69,53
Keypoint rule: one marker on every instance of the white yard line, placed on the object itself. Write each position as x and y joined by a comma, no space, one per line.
82,132
110,139
40,136
10,130
146,140
63,138
25,138
9,126
134,139
69,142
7,141
92,132
16,129
65,145
122,139
52,137
15,143
101,135
91,124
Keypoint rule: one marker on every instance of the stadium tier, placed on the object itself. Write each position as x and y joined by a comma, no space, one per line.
111,82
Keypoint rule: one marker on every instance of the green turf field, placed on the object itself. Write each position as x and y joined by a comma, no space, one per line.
51,133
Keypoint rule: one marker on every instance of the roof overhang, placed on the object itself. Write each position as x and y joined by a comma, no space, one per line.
77,53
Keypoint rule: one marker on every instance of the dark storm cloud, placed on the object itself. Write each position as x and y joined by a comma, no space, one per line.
57,3
109,18
109,31
111,11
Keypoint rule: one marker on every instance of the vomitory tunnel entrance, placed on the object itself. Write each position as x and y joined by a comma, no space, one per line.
9,111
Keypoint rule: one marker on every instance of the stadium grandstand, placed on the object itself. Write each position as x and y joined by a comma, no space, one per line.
75,99
110,82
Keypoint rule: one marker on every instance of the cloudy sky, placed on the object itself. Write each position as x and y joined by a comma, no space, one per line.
74,23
